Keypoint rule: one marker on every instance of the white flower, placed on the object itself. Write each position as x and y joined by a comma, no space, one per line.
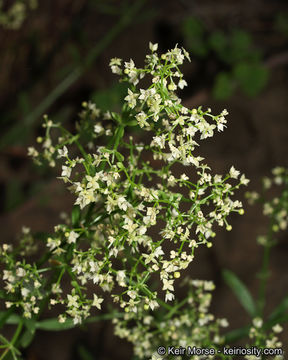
62,152
156,357
61,319
158,251
73,301
234,173
66,171
72,237
131,98
20,272
122,203
223,322
141,118
243,180
32,151
257,322
92,182
277,328
24,292
169,296
120,277
182,83
97,301
98,128
153,47
159,140
168,285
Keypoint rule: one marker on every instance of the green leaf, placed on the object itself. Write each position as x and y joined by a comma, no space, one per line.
241,291
4,316
280,310
76,213
193,31
252,78
241,45
54,325
29,333
224,86
132,123
12,319
218,42
119,156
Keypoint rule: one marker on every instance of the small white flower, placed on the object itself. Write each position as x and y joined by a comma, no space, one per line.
62,152
73,301
20,272
153,47
97,301
168,285
72,237
98,128
32,151
257,322
182,83
24,292
169,296
234,173
277,328
244,180
66,171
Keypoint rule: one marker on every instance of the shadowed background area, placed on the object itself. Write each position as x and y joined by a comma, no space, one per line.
55,54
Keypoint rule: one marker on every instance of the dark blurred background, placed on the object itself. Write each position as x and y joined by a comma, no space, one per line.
55,54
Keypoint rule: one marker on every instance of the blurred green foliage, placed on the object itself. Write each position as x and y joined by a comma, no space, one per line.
281,23
238,61
110,99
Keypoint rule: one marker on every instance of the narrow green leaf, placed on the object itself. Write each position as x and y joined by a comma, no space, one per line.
75,215
281,309
4,340
241,291
54,325
12,319
4,316
28,335
119,156
132,123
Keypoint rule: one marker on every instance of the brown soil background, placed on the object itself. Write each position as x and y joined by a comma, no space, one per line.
255,140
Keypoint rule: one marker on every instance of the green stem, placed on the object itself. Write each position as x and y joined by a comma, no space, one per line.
264,275
17,332
14,339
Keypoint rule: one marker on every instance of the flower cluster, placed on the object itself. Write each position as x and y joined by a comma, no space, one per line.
23,283
265,339
141,208
274,208
189,323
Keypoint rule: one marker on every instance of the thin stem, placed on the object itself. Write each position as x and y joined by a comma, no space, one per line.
264,275
14,339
